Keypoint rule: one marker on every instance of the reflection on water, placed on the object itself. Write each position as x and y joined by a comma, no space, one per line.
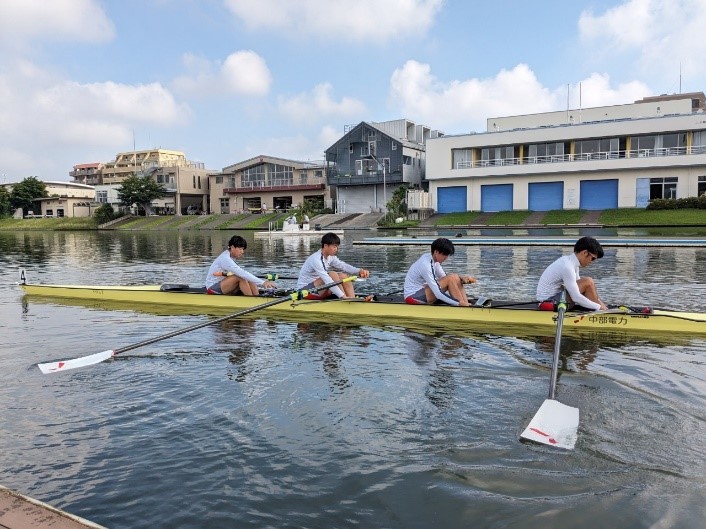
271,423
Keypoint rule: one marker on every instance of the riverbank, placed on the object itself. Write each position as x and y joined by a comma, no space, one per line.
503,219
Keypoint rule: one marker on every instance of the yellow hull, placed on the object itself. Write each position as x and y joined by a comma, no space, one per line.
660,321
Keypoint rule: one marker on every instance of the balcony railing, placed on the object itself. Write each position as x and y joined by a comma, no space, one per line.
275,185
582,157
335,178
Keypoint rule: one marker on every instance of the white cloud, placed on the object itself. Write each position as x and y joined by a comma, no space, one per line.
656,35
296,147
343,20
243,72
328,136
319,103
69,20
595,91
466,103
42,117
463,105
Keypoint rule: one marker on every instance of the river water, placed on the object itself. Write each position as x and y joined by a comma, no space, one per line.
256,424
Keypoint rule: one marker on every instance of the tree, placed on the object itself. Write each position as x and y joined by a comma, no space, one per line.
140,190
5,205
397,205
24,193
105,213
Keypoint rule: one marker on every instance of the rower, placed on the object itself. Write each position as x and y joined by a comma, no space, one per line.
225,276
564,273
426,281
324,266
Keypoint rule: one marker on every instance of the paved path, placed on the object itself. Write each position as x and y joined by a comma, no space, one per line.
590,217
534,218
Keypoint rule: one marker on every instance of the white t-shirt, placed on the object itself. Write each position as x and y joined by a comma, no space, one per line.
225,263
316,267
563,272
425,272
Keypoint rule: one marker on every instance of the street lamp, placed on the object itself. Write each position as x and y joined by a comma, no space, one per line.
384,183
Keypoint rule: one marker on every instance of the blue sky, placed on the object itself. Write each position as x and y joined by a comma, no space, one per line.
226,80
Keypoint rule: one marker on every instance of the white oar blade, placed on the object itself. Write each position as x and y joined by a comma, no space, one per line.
554,424
65,365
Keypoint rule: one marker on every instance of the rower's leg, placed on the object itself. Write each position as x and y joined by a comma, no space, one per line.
587,287
451,284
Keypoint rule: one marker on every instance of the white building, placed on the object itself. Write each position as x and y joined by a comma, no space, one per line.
596,158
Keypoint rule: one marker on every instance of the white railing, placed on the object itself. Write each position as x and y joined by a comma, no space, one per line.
582,157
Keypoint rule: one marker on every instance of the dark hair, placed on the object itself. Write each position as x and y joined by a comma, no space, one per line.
330,238
443,246
590,244
238,242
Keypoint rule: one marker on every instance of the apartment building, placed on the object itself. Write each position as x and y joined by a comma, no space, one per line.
186,181
371,160
268,183
594,158
87,173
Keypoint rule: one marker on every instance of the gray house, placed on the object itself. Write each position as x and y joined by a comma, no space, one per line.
371,160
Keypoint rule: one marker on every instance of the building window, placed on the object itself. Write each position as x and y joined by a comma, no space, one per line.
598,149
462,158
663,187
545,152
102,197
701,190
254,176
504,155
219,179
280,175
698,144
660,144
199,180
365,150
319,174
193,178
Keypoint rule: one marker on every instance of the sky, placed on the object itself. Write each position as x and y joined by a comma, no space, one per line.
228,80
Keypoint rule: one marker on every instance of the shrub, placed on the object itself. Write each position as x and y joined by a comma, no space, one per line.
678,203
105,213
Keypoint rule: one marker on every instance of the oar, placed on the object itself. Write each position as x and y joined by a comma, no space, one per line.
65,365
267,277
554,423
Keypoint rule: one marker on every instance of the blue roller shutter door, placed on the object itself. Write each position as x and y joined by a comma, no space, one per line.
545,196
599,194
451,199
642,192
497,197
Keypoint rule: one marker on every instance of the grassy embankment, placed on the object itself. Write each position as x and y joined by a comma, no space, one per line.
610,217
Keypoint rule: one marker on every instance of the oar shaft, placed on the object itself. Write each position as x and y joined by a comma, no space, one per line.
65,365
557,344
200,325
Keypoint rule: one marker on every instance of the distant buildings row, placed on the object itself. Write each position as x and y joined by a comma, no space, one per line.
593,158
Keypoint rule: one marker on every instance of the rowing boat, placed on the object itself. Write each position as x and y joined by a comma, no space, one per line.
388,309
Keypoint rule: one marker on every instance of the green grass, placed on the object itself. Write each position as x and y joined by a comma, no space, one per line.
644,217
262,221
457,219
504,218
61,224
563,216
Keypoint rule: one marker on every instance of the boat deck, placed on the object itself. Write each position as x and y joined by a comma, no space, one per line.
18,511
